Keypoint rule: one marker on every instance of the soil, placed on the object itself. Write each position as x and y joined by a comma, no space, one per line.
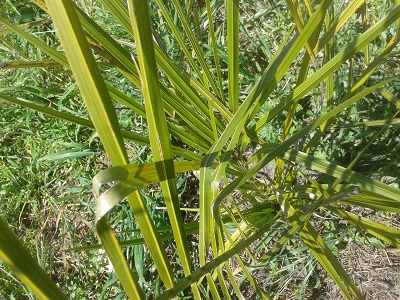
376,273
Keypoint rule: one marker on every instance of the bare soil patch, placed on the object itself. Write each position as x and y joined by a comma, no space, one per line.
376,272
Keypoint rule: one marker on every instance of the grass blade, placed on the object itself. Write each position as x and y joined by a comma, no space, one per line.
339,23
158,130
312,81
232,12
202,271
196,47
343,174
102,112
130,178
110,243
14,255
383,232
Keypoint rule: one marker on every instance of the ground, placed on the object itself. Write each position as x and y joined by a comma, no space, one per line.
376,272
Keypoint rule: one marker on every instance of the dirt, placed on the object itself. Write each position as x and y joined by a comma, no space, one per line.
376,273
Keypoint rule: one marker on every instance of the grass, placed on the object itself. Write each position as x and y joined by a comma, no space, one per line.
48,164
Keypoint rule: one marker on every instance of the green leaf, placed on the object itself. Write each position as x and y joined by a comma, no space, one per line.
343,174
104,118
131,178
383,232
20,261
202,271
158,131
232,21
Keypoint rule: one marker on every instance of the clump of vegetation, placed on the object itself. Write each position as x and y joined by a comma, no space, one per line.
234,149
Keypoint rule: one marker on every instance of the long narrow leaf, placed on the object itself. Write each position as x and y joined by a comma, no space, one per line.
15,256
344,174
100,108
333,64
232,12
200,272
158,130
